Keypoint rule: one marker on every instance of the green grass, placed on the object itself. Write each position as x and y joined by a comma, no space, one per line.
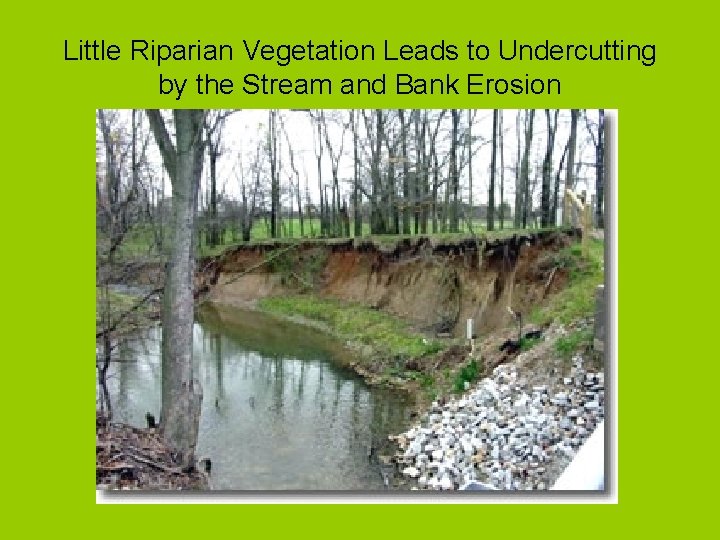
139,241
388,335
567,345
577,300
528,343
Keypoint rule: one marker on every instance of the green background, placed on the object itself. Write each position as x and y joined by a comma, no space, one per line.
666,159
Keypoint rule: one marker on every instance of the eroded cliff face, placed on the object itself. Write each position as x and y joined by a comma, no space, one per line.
434,285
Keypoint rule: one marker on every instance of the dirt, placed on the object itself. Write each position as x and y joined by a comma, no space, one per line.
436,287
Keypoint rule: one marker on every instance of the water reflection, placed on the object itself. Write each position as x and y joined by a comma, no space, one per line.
277,412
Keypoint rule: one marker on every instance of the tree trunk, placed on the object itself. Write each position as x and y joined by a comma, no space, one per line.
274,176
502,172
570,169
181,389
517,210
406,174
545,207
214,239
454,180
525,168
491,190
556,189
434,207
470,169
318,155
600,173
357,215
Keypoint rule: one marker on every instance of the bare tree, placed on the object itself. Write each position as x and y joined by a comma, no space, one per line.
181,389
454,173
357,195
545,206
318,142
214,124
522,191
335,156
556,189
376,135
599,143
405,173
502,170
272,150
421,172
294,187
491,189
570,169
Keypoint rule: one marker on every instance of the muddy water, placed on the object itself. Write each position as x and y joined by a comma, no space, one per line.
278,413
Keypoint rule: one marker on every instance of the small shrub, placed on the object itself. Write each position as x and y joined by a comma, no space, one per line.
467,373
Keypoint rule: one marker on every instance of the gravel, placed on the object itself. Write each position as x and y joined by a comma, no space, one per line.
504,432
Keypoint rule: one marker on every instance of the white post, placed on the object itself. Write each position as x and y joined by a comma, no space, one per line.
470,335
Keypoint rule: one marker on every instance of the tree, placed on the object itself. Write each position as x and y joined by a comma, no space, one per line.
522,190
570,169
272,149
214,124
181,389
249,193
357,197
454,173
599,143
502,171
294,187
376,135
421,172
335,157
406,175
545,206
491,190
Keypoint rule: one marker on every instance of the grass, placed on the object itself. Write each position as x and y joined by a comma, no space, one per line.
528,343
577,300
139,241
387,335
567,345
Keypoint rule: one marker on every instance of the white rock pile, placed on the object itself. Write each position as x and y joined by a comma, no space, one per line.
504,432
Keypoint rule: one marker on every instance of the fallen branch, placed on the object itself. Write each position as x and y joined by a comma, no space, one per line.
173,470
127,313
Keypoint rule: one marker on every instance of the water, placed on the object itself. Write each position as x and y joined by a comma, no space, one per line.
278,412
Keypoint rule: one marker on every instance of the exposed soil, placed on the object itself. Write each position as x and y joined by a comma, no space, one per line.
434,286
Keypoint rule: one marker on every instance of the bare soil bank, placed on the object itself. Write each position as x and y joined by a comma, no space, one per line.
434,285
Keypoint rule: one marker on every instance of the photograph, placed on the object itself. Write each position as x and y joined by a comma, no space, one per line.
353,300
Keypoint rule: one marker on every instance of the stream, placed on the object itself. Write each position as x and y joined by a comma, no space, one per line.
278,412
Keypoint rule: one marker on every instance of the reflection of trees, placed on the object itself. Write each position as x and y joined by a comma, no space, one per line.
278,386
338,387
219,367
301,383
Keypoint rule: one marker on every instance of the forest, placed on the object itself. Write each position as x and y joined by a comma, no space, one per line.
348,173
